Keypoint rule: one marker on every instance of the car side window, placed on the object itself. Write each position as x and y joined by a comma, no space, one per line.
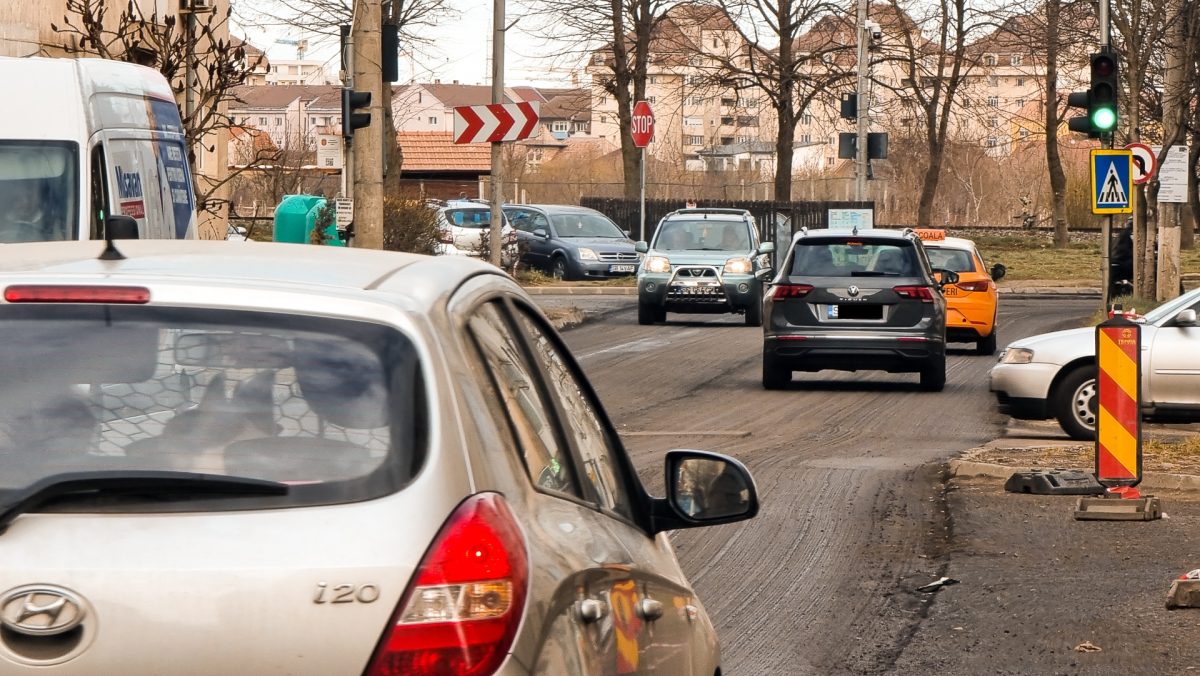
520,218
583,424
549,464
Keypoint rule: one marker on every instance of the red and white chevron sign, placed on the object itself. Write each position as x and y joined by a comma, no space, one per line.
495,122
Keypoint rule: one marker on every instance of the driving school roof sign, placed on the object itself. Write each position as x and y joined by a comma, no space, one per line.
1112,182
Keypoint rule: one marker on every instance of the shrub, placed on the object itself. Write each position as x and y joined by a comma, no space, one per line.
409,225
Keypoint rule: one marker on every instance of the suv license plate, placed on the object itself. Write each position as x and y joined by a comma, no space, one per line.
622,268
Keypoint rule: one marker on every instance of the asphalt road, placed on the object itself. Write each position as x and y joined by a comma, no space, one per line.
848,470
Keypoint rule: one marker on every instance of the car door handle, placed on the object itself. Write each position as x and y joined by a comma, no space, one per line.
591,610
649,609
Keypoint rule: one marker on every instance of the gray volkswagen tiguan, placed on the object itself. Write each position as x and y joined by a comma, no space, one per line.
856,300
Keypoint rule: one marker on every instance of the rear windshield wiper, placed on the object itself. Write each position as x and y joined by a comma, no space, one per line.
873,273
45,490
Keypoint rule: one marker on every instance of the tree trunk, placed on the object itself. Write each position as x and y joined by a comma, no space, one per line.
1187,238
1058,178
784,152
1175,103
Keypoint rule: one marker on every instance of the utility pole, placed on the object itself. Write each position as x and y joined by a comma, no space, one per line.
368,151
497,178
862,105
347,77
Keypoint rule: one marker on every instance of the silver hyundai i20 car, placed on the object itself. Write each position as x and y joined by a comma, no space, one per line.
288,459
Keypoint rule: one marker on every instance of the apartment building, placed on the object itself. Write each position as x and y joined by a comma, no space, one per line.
298,72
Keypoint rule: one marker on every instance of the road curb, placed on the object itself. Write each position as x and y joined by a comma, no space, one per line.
581,290
1150,480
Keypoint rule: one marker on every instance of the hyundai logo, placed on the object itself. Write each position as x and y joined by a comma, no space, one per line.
41,610
852,290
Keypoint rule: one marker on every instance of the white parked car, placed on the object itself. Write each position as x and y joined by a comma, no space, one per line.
237,233
363,463
1053,375
463,227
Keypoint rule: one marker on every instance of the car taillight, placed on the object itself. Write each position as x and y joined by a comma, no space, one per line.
922,292
445,237
974,286
782,291
461,611
68,293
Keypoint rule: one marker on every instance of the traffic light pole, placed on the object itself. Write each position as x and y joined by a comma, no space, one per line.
368,155
348,82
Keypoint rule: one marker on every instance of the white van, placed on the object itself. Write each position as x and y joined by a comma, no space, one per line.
84,139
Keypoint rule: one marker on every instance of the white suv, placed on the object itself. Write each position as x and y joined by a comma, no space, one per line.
464,227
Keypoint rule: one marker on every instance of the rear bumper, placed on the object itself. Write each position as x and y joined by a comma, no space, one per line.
970,317
813,352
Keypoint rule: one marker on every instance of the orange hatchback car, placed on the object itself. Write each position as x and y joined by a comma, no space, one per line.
971,304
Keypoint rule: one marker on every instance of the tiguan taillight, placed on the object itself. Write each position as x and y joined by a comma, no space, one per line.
782,291
461,611
922,292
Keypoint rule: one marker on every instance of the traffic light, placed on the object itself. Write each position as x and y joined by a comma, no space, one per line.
351,101
1100,100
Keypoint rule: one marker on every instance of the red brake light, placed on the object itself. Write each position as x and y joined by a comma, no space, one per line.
67,293
782,291
922,292
460,613
974,286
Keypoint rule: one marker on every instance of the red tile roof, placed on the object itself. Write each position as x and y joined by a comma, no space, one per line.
436,151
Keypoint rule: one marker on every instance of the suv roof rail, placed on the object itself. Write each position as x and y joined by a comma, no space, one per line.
712,210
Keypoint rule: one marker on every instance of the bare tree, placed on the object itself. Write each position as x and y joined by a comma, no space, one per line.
616,36
788,66
165,44
935,68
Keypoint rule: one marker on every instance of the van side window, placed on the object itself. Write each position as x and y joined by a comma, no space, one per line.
99,192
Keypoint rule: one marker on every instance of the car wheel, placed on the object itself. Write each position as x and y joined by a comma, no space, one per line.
558,268
648,314
986,345
774,375
933,374
1075,402
754,313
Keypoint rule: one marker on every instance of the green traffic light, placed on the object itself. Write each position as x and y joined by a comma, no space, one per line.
1104,119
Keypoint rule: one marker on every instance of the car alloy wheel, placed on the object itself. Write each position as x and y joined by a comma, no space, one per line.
558,268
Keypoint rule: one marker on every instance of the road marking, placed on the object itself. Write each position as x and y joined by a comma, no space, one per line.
697,433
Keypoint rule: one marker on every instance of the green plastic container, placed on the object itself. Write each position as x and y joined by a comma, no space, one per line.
295,218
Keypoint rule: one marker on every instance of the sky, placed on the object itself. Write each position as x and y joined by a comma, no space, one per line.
460,50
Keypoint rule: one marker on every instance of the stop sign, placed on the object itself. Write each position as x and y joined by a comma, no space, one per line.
642,124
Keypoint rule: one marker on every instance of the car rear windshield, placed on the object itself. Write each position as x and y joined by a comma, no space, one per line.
703,235
958,260
585,225
332,407
469,218
862,257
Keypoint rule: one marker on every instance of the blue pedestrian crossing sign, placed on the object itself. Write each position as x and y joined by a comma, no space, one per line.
1112,182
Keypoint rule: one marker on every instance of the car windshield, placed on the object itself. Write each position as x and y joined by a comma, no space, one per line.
38,191
585,225
854,258
326,405
1169,309
469,218
702,235
958,260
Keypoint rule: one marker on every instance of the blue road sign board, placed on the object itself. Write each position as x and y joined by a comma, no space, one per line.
1112,182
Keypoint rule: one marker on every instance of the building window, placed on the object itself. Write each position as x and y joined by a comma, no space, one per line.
747,103
993,122
747,121
559,126
994,101
726,140
602,101
743,139
989,59
651,99
729,102
992,142
1023,133
598,59
603,119
829,161
433,120
278,121
695,100
993,81
580,126
695,60
806,138
1020,82
693,140
693,121
419,97
1020,103
651,79
726,119
966,102
807,118
1016,59
262,121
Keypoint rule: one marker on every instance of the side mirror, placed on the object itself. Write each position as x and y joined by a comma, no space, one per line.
541,232
120,226
704,489
766,247
1186,318
945,277
998,272
627,233
641,247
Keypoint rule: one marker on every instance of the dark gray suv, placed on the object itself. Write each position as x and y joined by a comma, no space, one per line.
570,242
856,300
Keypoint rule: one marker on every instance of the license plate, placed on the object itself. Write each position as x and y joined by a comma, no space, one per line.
622,268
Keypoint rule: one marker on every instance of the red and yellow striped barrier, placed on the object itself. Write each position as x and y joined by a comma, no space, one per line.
1118,414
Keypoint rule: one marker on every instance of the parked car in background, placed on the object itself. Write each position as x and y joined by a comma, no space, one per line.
972,304
464,227
570,242
856,300
237,233
397,461
704,261
1053,375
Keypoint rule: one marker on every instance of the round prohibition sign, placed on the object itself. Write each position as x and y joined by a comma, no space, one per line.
1144,162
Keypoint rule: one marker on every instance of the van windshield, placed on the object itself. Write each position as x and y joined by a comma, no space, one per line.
39,195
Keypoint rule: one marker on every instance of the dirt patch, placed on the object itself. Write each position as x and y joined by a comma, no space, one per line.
564,318
1161,452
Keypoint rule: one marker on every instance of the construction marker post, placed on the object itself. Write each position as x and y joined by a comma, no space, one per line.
1119,426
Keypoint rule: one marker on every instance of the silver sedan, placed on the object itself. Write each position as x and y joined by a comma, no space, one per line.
288,459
